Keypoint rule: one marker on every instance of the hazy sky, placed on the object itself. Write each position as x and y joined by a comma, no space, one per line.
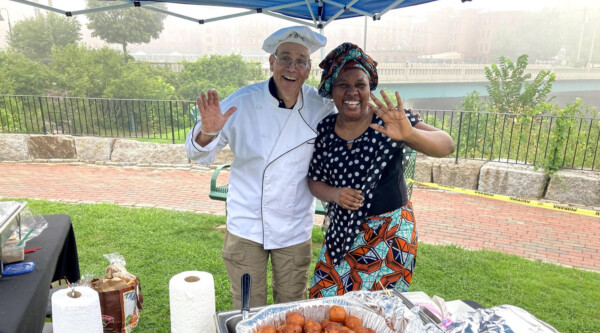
19,11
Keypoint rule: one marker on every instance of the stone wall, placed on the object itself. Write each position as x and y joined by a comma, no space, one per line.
578,187
24,148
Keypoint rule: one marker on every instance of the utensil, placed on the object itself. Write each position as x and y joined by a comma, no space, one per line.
32,250
233,321
246,285
387,292
24,238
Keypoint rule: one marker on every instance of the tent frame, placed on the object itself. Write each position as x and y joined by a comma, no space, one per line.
317,21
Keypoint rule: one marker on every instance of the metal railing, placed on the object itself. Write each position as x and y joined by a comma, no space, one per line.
160,120
539,140
567,142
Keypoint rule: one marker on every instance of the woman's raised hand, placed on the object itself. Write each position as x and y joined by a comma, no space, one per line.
210,112
397,126
349,198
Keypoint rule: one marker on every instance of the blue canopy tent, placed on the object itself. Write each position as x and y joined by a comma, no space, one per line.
315,13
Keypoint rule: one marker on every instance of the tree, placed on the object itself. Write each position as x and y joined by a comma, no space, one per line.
473,102
509,90
85,72
125,26
63,30
22,76
19,76
34,37
139,80
226,74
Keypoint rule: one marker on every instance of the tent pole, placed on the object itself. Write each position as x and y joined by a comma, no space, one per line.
322,49
365,36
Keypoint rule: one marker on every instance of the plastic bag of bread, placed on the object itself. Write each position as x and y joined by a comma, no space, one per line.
120,295
116,269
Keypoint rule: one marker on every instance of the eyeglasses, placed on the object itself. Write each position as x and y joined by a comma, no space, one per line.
287,61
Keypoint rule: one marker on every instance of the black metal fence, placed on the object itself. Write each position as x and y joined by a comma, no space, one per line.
158,120
541,140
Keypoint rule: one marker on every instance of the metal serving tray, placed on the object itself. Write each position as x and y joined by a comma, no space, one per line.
227,320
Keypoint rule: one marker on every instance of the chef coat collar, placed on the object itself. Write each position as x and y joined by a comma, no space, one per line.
273,91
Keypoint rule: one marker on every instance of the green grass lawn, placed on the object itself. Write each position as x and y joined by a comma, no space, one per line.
157,244
166,137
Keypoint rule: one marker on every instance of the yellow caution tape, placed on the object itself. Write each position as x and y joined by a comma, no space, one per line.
528,202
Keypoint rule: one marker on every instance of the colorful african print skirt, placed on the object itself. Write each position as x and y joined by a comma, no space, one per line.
383,255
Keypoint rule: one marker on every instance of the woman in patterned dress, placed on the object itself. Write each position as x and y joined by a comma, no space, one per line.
371,242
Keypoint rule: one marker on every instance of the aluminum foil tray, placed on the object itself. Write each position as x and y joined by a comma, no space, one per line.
316,310
499,319
383,312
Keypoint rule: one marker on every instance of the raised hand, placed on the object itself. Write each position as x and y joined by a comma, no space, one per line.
349,198
397,126
210,112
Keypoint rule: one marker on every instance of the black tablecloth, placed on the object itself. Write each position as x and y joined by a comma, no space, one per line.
24,297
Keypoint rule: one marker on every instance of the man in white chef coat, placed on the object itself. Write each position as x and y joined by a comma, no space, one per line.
270,127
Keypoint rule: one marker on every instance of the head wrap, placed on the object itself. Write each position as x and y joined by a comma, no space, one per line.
342,58
298,34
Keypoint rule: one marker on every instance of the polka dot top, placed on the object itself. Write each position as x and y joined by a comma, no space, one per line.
360,166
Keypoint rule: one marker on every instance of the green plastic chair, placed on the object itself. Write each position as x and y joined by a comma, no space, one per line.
218,192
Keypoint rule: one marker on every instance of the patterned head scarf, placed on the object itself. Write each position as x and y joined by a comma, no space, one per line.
342,58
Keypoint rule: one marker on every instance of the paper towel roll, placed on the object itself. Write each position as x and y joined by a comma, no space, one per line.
192,300
76,314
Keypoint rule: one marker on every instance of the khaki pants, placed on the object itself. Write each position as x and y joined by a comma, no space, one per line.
290,270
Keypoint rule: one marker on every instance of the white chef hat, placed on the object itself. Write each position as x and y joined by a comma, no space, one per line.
298,34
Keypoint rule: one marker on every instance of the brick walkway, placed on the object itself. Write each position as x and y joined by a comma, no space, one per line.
443,217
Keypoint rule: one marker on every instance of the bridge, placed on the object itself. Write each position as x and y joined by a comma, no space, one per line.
450,81
455,81
431,73
436,73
